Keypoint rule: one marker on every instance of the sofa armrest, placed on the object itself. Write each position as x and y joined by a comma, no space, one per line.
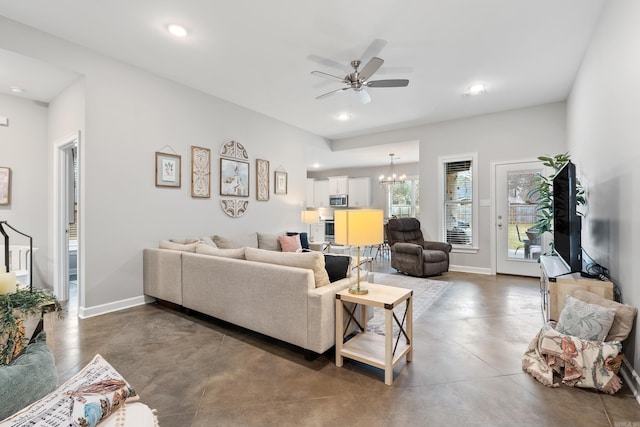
438,246
407,248
162,274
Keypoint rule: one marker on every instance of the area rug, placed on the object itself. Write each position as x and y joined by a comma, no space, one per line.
425,293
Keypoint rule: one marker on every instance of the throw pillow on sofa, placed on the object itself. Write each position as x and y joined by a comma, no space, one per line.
310,260
290,243
269,242
185,245
304,238
205,249
337,266
247,240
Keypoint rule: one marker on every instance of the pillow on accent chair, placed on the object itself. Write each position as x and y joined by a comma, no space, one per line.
583,320
28,377
290,243
337,266
304,238
623,320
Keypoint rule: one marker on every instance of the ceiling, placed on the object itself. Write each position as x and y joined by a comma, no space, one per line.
261,54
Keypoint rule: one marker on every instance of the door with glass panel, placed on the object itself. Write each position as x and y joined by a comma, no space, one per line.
518,245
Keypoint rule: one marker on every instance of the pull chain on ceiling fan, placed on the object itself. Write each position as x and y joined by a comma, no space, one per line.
358,81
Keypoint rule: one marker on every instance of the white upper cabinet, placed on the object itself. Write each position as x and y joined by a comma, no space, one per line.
321,193
310,193
359,192
338,185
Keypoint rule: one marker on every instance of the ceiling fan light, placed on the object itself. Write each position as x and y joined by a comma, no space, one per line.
177,30
476,89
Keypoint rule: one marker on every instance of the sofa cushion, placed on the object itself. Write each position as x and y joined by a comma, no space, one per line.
186,245
310,260
247,240
290,243
304,238
269,242
28,378
583,320
623,319
337,266
205,249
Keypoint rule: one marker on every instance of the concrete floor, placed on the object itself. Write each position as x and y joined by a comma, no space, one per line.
197,371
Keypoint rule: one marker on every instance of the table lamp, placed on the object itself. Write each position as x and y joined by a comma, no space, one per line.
359,227
310,217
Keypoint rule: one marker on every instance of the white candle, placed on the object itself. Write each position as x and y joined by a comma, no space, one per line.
8,282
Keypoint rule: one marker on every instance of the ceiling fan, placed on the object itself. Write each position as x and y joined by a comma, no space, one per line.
358,81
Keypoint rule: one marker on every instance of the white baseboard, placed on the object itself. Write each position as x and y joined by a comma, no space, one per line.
467,269
631,377
85,312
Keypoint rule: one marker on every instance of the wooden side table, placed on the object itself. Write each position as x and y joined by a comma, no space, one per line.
368,347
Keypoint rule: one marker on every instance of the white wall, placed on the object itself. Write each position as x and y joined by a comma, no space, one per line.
603,129
512,135
22,148
130,114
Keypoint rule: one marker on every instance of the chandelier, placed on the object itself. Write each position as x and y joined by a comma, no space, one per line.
391,177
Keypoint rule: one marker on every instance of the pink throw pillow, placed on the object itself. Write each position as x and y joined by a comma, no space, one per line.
290,243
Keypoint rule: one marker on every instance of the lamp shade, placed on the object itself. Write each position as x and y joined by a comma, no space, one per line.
310,217
361,227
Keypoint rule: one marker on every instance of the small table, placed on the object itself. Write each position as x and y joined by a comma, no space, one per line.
368,347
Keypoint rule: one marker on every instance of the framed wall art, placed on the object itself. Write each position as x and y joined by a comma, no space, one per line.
5,185
262,179
168,170
280,182
200,172
234,178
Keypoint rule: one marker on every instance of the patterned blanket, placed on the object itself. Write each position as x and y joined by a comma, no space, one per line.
577,362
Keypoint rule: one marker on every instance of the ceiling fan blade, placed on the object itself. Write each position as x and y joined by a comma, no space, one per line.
327,75
388,83
324,95
371,67
363,96
373,49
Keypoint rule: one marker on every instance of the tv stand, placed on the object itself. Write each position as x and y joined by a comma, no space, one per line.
556,282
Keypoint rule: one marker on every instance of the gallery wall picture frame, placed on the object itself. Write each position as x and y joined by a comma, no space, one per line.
5,185
200,172
262,179
168,170
234,178
280,182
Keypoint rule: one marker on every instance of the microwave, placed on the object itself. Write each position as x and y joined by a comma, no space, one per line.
338,201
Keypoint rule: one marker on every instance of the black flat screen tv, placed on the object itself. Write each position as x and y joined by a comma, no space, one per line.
567,224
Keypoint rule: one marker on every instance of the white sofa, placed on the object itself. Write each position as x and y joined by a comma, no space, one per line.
257,293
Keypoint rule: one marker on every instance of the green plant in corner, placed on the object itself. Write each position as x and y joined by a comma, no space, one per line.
543,192
14,308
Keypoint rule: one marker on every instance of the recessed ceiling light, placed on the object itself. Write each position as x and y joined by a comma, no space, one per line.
476,89
16,89
177,30
343,117
316,165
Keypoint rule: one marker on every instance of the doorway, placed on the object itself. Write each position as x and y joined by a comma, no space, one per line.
66,212
517,245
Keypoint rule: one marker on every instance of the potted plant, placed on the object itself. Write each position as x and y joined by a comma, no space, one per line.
543,193
15,307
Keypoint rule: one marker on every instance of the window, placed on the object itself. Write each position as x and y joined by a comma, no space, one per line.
404,199
458,193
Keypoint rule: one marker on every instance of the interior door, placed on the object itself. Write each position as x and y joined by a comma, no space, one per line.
518,247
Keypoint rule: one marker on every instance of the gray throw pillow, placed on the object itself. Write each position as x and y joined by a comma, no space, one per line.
583,320
28,378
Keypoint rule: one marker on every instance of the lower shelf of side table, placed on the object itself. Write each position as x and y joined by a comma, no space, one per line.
369,348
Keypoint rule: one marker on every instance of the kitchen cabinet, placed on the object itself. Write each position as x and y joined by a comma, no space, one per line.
359,192
321,193
338,185
310,193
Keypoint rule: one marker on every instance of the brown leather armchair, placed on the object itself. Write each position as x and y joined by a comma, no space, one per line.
411,254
